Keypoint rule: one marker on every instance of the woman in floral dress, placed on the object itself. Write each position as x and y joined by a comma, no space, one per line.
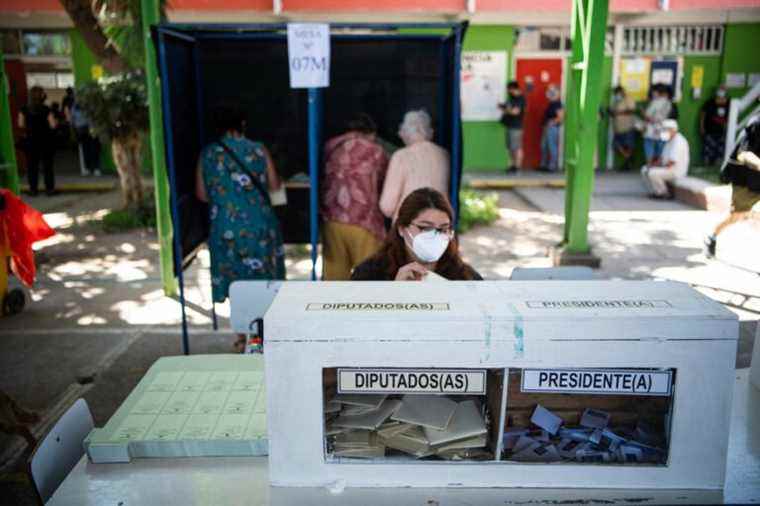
245,239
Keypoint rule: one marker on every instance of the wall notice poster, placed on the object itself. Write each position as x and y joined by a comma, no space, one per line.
667,72
736,80
634,77
484,81
697,76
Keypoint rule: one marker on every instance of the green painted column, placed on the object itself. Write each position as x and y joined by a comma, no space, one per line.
589,29
151,16
9,169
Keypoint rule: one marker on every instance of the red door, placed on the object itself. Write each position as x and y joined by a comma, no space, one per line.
534,76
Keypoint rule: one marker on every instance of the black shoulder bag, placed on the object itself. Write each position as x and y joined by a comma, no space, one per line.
254,178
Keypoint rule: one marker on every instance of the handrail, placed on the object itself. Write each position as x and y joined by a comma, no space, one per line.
738,107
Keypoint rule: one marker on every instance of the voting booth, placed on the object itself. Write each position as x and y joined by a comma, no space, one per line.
622,384
379,69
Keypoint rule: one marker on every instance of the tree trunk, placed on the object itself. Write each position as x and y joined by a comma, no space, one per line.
80,12
127,155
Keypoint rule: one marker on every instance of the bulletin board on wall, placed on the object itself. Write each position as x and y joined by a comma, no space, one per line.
639,73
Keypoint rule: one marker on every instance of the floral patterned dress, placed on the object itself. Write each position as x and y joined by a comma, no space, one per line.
245,240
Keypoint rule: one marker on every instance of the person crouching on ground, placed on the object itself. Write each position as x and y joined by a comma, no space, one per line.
674,162
421,241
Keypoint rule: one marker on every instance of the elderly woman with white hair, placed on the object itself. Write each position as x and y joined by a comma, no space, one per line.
421,164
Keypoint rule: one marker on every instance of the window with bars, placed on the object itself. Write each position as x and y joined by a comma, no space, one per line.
692,39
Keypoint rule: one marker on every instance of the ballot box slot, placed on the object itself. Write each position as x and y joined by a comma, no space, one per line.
588,416
411,415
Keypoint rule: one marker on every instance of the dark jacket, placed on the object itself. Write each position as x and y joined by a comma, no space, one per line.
376,269
739,174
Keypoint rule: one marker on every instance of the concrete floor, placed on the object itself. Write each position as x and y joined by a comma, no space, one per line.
99,319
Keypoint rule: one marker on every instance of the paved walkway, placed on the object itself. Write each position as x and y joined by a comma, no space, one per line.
99,319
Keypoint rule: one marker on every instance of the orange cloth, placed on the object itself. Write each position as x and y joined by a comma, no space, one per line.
23,226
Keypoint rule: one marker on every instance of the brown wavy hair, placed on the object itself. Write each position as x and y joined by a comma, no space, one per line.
393,251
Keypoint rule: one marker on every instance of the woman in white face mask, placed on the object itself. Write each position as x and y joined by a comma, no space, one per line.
420,242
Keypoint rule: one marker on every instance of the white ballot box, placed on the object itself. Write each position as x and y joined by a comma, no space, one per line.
624,384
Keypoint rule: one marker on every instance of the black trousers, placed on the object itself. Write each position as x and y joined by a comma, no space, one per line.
35,157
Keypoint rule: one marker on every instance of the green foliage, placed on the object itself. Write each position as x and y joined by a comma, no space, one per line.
121,21
123,220
117,107
477,208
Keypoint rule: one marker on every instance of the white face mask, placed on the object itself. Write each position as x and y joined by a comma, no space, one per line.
429,246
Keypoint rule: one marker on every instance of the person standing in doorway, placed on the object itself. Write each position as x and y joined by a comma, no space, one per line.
38,124
553,116
657,111
623,112
354,227
674,162
713,119
89,145
512,114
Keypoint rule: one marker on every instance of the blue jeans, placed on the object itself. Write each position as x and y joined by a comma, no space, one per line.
550,147
652,148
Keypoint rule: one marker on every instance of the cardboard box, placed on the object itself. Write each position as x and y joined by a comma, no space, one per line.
680,342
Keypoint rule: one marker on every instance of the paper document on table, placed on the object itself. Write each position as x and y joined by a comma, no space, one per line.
433,277
466,423
371,420
193,381
166,427
230,427
181,403
367,400
546,419
595,419
427,410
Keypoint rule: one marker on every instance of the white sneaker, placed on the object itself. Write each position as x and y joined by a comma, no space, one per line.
85,172
97,173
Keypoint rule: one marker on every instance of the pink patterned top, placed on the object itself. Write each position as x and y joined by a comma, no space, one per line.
354,173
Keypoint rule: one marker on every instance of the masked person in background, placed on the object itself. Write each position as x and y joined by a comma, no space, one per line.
553,116
420,242
623,112
713,119
674,162
658,110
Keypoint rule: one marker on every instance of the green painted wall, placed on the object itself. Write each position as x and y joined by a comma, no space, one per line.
739,45
83,61
689,107
484,147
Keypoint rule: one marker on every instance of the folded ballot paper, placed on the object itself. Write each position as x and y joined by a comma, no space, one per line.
593,442
189,406
417,426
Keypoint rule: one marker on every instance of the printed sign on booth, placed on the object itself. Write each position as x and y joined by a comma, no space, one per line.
309,55
598,381
412,381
